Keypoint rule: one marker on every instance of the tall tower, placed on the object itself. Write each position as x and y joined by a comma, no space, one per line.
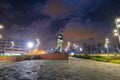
60,42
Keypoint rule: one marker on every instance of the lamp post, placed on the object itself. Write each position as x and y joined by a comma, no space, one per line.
12,45
30,45
106,44
0,36
115,32
117,21
1,48
1,26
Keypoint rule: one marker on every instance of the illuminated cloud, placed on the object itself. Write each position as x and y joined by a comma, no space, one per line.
81,19
77,32
57,7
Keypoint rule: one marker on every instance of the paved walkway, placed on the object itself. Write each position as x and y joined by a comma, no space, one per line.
73,69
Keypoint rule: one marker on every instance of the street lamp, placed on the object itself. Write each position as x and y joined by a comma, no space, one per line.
115,32
1,26
106,44
12,45
117,21
0,36
30,45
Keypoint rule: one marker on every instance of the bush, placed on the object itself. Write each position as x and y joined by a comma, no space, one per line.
86,56
4,56
77,56
26,57
115,57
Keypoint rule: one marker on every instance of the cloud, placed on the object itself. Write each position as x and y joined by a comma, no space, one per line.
28,19
77,32
57,7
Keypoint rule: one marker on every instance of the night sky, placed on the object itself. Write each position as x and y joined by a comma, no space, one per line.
81,20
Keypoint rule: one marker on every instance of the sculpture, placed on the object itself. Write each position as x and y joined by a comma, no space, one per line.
60,42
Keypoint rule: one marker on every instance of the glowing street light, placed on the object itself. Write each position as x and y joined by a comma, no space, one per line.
115,34
1,26
117,26
107,40
0,36
118,20
115,31
30,45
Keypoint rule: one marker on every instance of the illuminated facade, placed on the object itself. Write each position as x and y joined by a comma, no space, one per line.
12,46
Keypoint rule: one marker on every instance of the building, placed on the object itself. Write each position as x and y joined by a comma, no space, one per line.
12,46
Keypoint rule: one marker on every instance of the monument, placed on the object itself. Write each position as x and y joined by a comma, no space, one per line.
60,43
59,54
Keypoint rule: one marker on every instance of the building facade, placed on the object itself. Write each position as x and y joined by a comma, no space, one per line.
12,46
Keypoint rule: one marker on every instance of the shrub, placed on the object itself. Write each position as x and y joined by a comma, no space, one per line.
115,57
77,56
26,57
86,56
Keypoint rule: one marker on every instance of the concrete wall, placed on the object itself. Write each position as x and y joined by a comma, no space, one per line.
55,56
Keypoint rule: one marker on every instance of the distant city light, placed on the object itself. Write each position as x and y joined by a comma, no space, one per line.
66,49
118,20
0,36
81,49
107,40
72,53
115,30
30,45
51,49
115,34
118,25
1,26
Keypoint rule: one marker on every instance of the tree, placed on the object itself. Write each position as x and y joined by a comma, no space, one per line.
99,47
85,48
94,49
